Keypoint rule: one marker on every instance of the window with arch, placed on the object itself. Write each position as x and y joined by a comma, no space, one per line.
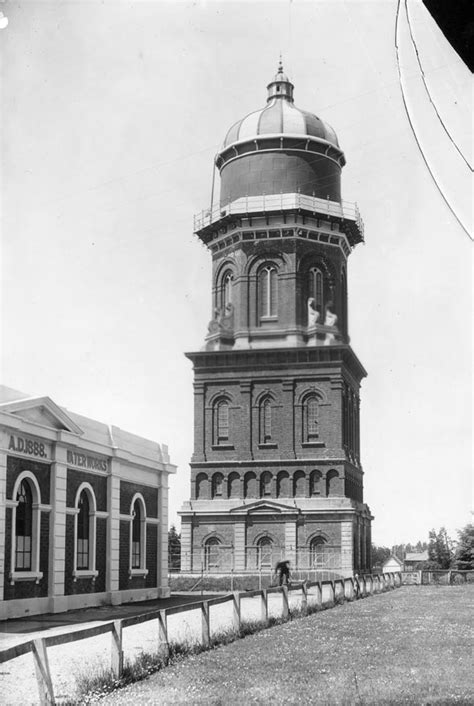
217,485
221,422
331,482
233,485
25,536
283,485
299,485
138,537
85,532
265,421
264,552
316,290
315,483
24,527
250,485
211,553
226,289
266,484
310,418
201,486
267,291
317,552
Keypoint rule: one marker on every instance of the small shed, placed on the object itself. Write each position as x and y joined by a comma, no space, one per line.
393,563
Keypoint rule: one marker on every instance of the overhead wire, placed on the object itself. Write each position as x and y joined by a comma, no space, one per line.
412,127
428,90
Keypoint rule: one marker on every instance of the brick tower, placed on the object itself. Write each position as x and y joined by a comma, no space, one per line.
276,468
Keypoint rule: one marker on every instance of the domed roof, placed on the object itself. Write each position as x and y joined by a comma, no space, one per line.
280,116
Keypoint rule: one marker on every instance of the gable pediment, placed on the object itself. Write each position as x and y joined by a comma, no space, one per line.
42,411
264,507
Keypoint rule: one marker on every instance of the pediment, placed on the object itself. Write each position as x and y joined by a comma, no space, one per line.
265,507
42,411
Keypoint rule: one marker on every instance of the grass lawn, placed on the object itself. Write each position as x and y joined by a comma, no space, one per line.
411,645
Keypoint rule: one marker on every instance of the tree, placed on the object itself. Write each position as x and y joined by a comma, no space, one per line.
174,549
440,549
465,549
379,555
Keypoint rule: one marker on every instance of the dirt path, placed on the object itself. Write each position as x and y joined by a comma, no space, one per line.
412,645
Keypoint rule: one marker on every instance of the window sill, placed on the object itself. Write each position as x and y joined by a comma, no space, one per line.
314,444
85,574
268,445
132,573
222,447
35,576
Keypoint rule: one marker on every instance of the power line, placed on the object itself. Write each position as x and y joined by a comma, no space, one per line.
428,90
413,128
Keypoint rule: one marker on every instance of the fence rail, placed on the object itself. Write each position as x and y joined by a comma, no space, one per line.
318,592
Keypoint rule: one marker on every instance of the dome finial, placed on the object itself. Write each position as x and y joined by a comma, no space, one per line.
281,86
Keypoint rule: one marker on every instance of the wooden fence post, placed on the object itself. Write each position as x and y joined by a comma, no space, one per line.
206,632
116,649
236,611
286,604
304,597
264,606
163,643
43,675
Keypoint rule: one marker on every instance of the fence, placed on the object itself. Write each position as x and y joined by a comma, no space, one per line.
306,595
447,577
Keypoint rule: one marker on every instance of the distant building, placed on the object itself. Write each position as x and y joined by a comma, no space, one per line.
83,510
415,561
393,563
276,469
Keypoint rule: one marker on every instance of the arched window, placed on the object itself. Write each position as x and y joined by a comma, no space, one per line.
217,485
317,553
83,532
250,485
266,484
310,419
283,485
264,552
267,292
331,479
233,485
24,528
211,553
316,290
138,537
201,487
265,421
315,483
221,422
226,289
299,485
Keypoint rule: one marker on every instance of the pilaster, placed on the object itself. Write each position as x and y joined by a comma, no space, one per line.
199,422
162,539
113,527
239,544
288,425
186,544
245,427
3,497
290,541
57,530
347,548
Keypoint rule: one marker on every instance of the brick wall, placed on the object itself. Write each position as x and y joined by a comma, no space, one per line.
98,483
150,495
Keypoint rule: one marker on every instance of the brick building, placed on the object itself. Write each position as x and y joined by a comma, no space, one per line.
276,467
83,510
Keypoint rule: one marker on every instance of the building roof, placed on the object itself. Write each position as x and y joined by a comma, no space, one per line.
417,556
391,559
280,117
44,412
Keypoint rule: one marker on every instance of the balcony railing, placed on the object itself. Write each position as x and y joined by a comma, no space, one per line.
280,202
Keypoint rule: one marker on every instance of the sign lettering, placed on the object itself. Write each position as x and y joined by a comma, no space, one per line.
27,446
84,461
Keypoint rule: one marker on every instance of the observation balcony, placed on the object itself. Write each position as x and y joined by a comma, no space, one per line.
345,213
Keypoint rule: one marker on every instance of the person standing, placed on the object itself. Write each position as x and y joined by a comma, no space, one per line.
282,570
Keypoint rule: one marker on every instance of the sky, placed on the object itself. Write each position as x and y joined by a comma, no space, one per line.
112,113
